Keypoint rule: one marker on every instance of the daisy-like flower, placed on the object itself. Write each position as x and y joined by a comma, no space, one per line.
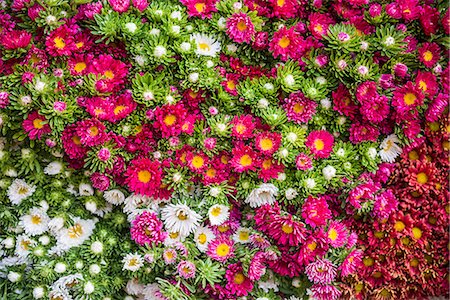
169,119
180,218
315,211
389,148
114,196
299,109
205,45
337,234
91,132
266,193
15,39
244,158
143,176
186,269
218,214
72,143
303,162
243,127
324,292
60,42
351,263
321,271
147,229
407,97
23,245
319,23
427,82
286,231
237,283
285,43
132,262
200,8
429,54
240,28
320,142
221,249
197,161
76,234
170,256
268,142
36,126
203,236
242,235
19,190
36,222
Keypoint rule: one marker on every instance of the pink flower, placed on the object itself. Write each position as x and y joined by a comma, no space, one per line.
170,256
315,211
321,271
437,107
237,283
240,28
4,99
186,269
91,132
141,5
221,249
351,263
360,132
72,142
15,39
429,54
104,154
257,269
36,126
60,42
343,102
325,292
385,204
169,119
299,109
200,8
320,143
319,23
337,234
268,142
407,97
146,228
100,181
119,5
303,162
244,158
286,231
284,9
376,110
285,43
427,82
110,73
243,127
143,176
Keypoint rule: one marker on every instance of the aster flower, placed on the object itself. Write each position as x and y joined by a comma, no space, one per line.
303,162
268,142
74,235
15,39
389,149
132,262
221,249
337,234
429,54
146,228
285,43
205,45
143,176
36,126
186,269
299,109
426,81
35,222
218,214
243,127
244,159
180,218
60,41
240,28
19,190
319,23
169,119
200,8
324,292
237,282
321,271
315,211
262,195
407,97
287,231
203,236
242,235
320,142
91,132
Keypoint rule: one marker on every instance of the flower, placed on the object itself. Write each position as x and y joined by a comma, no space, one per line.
429,54
325,292
242,235
268,142
286,231
320,142
170,256
303,162
237,283
114,196
186,269
132,262
19,190
203,236
180,218
146,228
285,43
143,176
206,45
75,234
315,211
91,132
218,214
299,109
337,234
35,223
321,271
200,8
244,158
221,249
351,263
240,28
243,127
265,193
407,97
36,126
389,149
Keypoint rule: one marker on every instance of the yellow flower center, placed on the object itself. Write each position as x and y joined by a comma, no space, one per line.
427,55
133,262
182,216
266,144
241,26
240,128
93,131
368,261
287,228
38,123
332,234
423,85
284,42
223,228
318,28
417,233
174,235
399,226
202,238
312,246
239,278
59,43
222,250
200,7
422,178
413,155
414,262
231,85
216,211
79,45
409,98
204,46
109,74
79,67
280,3
246,160
169,255
170,119
298,108
25,245
319,144
76,140
243,235
118,109
36,219
75,231
211,173
144,176
198,161
267,163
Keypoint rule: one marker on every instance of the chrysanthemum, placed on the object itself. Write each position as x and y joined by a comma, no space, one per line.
35,223
407,97
91,132
376,110
389,148
221,249
285,43
143,176
244,158
319,23
132,262
186,269
265,193
19,190
218,214
169,119
146,228
324,292
72,143
315,211
180,218
202,237
299,109
427,82
197,161
169,255
429,54
268,142
243,127
351,263
321,271
237,282
337,234
200,8
320,142
35,125
385,203
242,235
303,162
205,45
287,231
240,28
60,41
343,102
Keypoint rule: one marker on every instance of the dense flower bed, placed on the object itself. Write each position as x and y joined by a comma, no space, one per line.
204,149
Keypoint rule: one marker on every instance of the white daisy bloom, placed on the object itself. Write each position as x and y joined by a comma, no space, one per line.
389,149
23,245
218,214
206,45
34,223
85,189
132,262
56,224
53,168
76,234
180,218
19,190
264,194
38,292
242,235
202,237
173,237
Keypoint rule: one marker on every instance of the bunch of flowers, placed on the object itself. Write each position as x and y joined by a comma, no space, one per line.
236,136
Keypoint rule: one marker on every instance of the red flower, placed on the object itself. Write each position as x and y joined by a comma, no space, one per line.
143,176
320,142
36,125
429,54
15,39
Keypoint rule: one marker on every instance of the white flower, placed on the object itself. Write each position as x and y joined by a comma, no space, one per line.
94,269
60,268
173,237
140,60
38,292
202,237
19,190
329,172
310,183
263,103
132,262
85,189
242,235
389,41
56,224
264,194
97,247
76,234
206,45
131,27
176,15
185,46
296,282
23,245
389,149
91,206
155,31
281,176
218,214
326,103
222,23
35,223
44,240
180,218
8,243
215,191
133,287
88,287
267,285
152,292
11,172
39,86
289,80
290,193
14,276
193,77
160,51
372,153
53,168
115,197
